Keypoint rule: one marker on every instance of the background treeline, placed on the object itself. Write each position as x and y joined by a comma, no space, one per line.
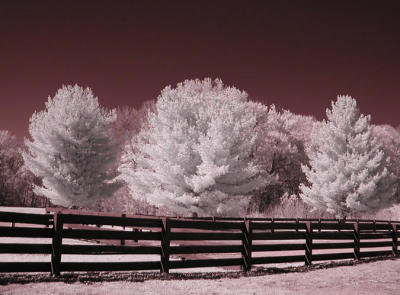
202,148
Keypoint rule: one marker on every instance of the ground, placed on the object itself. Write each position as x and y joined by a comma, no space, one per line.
378,277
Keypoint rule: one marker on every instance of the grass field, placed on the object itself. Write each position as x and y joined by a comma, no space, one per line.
380,277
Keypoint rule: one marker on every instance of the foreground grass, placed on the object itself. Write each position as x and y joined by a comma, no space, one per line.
366,277
93,277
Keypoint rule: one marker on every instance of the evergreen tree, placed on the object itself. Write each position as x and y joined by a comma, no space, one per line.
196,154
72,148
347,172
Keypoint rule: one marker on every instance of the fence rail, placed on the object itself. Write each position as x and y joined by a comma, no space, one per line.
249,242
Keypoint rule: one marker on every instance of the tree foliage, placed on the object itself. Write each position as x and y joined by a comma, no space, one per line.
282,152
130,121
389,138
128,124
72,148
201,148
16,182
347,172
196,153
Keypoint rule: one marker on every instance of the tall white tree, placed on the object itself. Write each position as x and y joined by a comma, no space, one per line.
347,172
72,148
196,155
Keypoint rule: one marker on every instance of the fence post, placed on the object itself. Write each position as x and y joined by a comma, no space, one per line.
47,212
308,254
272,225
123,215
56,244
165,243
394,240
246,243
356,237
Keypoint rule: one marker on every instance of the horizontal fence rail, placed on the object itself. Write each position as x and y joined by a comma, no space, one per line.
195,241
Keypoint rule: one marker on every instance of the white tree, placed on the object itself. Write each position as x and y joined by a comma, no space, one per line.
347,172
196,155
72,148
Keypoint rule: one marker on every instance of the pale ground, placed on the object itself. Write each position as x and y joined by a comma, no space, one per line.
23,210
380,277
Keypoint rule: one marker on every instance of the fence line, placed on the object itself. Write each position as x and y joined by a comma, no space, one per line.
247,238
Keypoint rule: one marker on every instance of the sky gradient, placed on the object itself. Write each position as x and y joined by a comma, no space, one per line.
298,55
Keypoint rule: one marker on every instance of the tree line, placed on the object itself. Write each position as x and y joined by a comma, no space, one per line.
201,148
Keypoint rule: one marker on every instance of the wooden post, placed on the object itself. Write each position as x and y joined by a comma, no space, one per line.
56,244
308,254
272,225
123,215
165,243
356,237
394,240
246,244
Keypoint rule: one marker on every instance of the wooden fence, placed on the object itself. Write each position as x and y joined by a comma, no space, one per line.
250,241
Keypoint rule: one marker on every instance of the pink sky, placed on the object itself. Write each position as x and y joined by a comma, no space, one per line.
296,54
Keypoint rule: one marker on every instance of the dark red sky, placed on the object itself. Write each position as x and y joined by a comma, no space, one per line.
296,54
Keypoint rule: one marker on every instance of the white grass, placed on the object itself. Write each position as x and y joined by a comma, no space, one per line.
23,210
371,278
